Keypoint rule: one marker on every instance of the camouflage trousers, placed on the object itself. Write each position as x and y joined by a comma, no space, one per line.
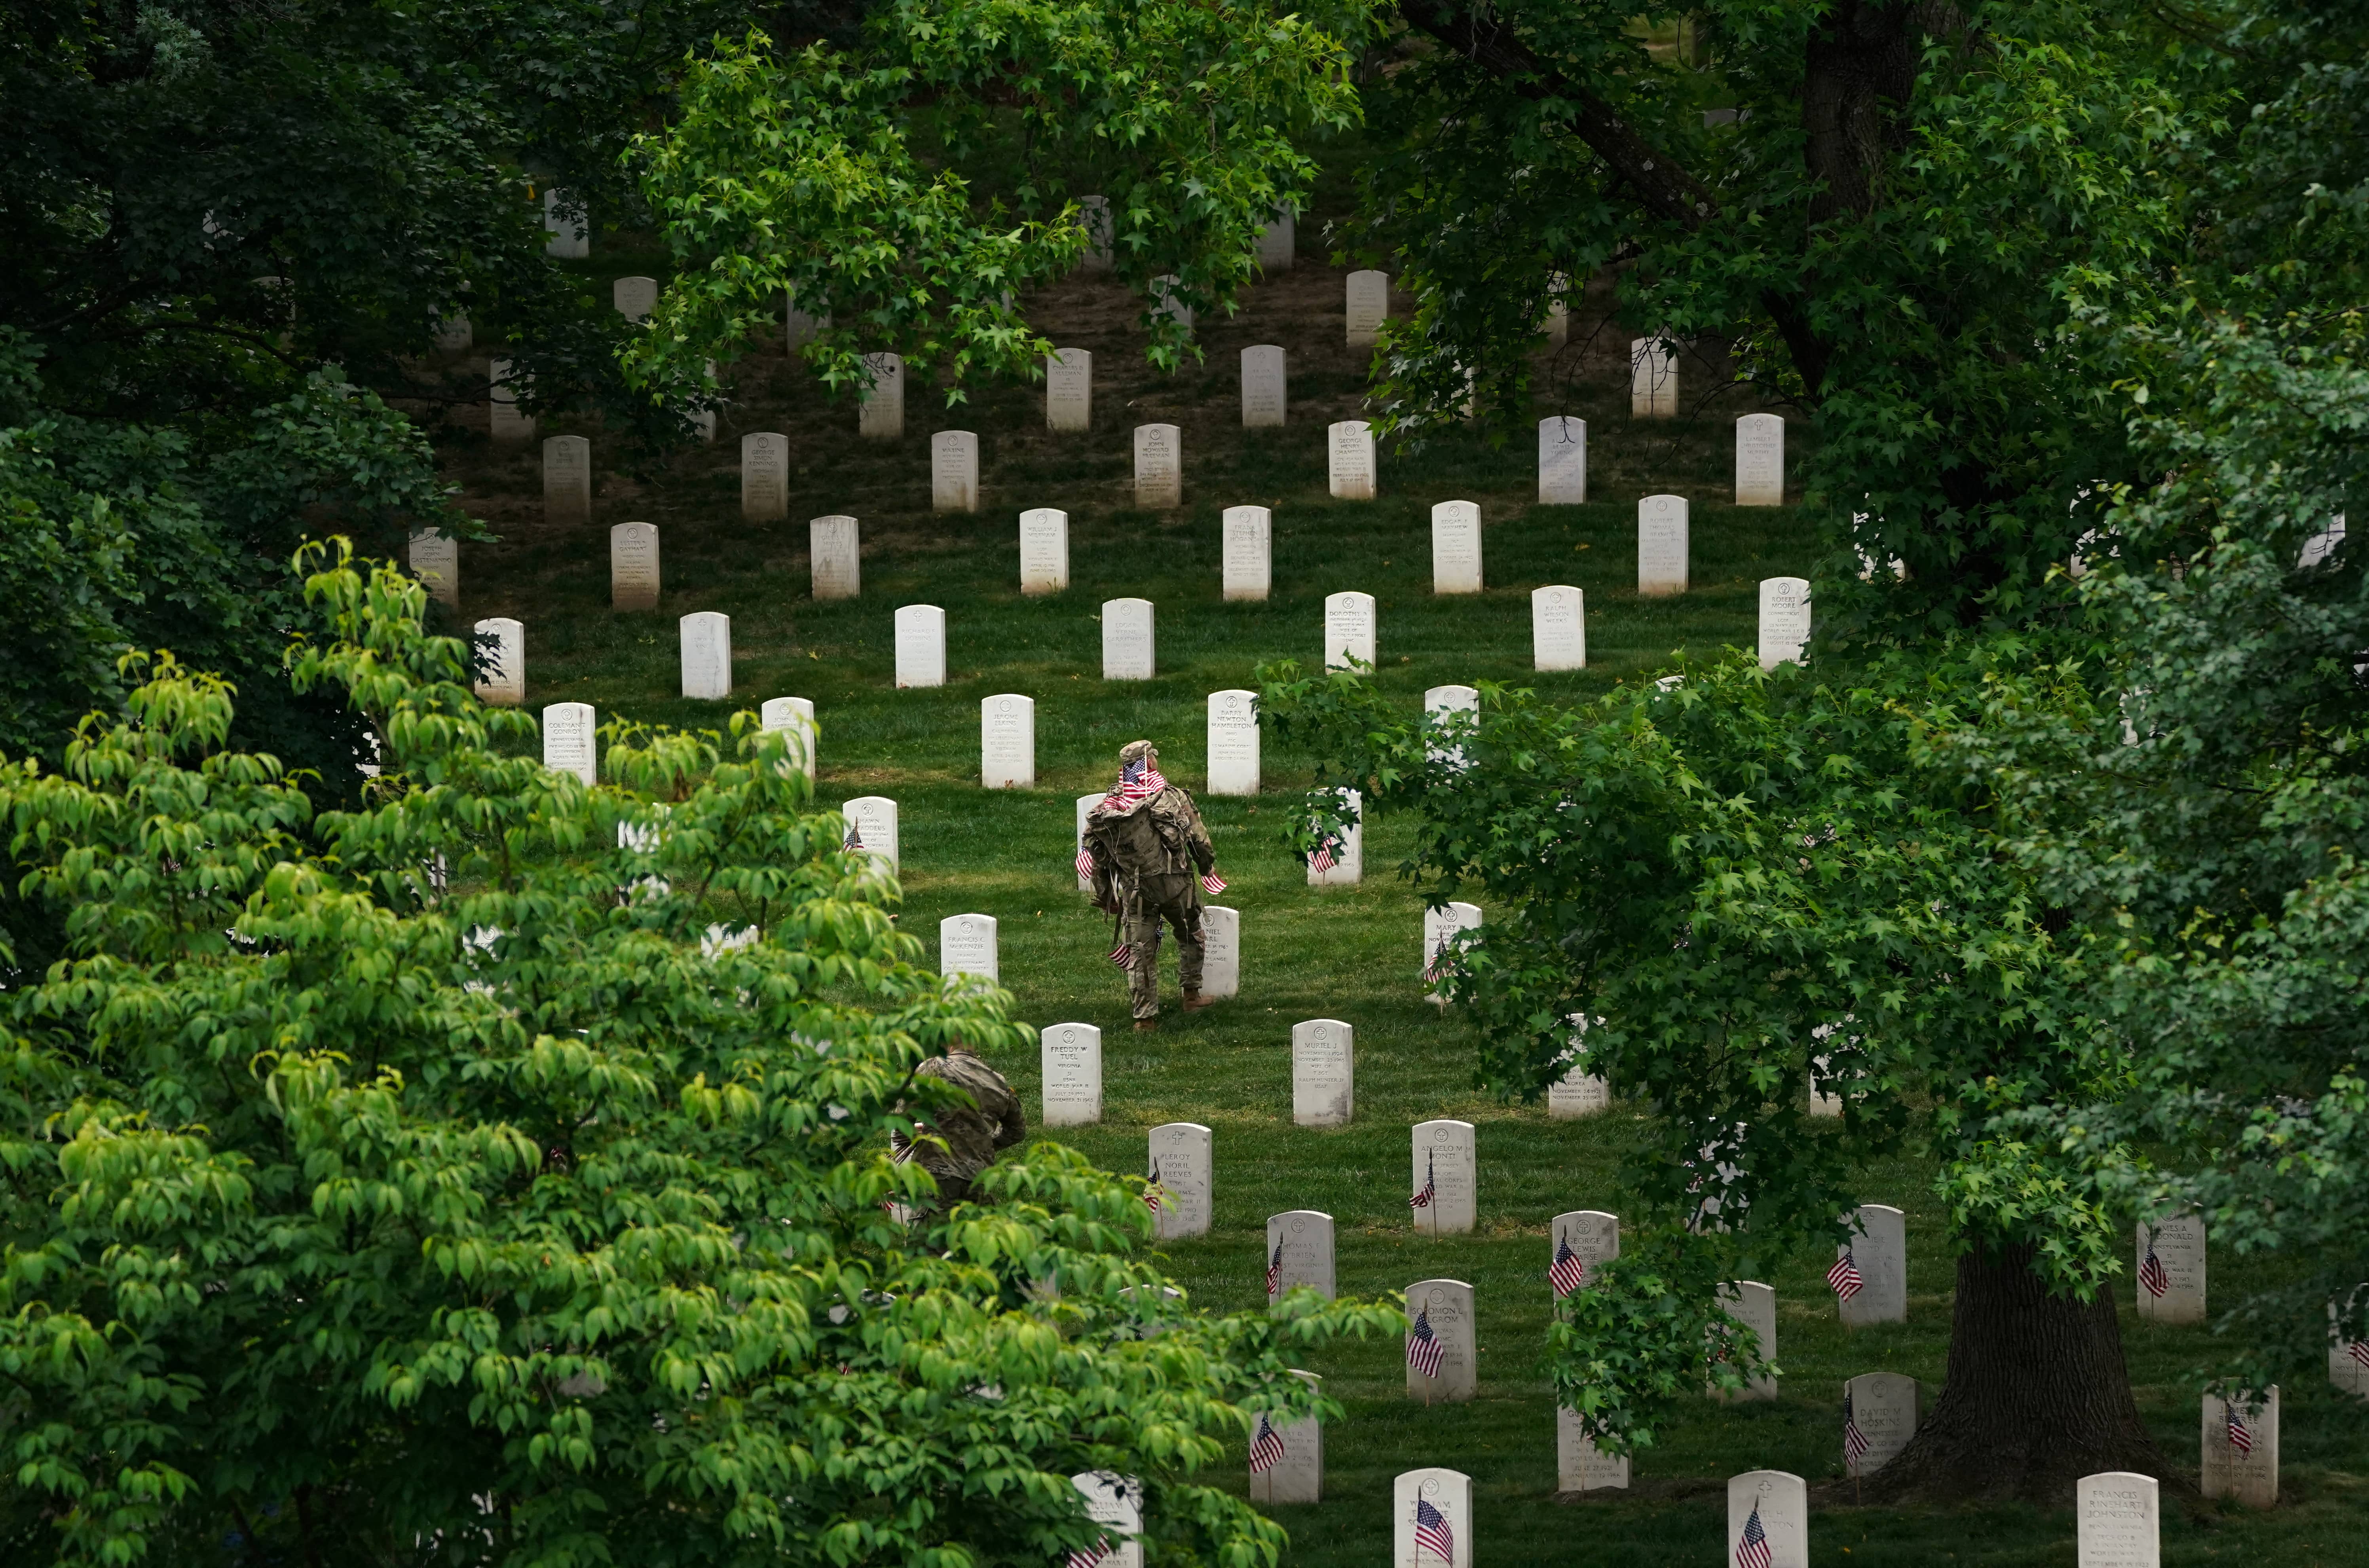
1141,932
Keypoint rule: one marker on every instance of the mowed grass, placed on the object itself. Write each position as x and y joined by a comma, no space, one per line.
1346,953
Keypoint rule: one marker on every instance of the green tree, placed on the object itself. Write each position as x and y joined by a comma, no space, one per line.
499,1169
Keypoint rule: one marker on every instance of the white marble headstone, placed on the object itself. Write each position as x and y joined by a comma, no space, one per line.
1116,1503
1070,390
1298,1475
1882,1405
567,479
1368,305
1754,1305
1323,1073
765,477
1233,742
1044,550
1784,620
453,333
1128,645
1278,240
1222,958
1579,1465
2179,1243
1007,742
796,715
881,415
1158,466
1455,547
1263,387
920,645
1168,299
966,946
1879,1250
1661,545
1446,1305
707,638
799,328
1562,461
504,421
834,557
1559,292
953,471
1180,1155
1349,630
504,684
1558,627
1246,549
634,565
1440,929
2249,1475
2321,545
1578,1093
1071,1057
1450,1494
1653,380
1349,460
2115,1521
435,560
872,818
1094,217
1784,1504
2348,1360
1760,461
1448,1163
1443,707
1299,1252
570,237
1592,1237
1348,867
569,742
634,298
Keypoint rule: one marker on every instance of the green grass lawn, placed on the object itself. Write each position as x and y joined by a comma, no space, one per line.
1350,953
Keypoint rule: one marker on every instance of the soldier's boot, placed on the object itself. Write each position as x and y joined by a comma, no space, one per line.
1146,1025
1195,1002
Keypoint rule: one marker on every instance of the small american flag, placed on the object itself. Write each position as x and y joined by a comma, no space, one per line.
1123,954
1567,1273
1085,860
1752,1546
1151,1194
2241,1439
1422,1346
2151,1272
1267,1448
1212,883
1430,1188
1275,1272
2359,1350
854,840
1854,1440
1087,1556
1844,1276
1431,1532
1325,856
1139,781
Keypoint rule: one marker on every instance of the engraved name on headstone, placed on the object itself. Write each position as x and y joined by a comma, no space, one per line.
1044,550
1128,645
1455,547
2242,1446
1446,1177
1558,627
503,679
707,638
1781,1503
1070,390
1881,1407
920,645
1116,1503
1297,1475
872,824
570,744
1007,742
1431,1514
1299,1252
1368,305
1233,742
1070,1056
634,298
1590,1236
2115,1521
435,560
796,717
953,471
1653,380
1158,466
1580,1466
1345,850
1784,620
1661,545
1180,1155
1441,927
1278,240
1349,631
834,557
765,477
1444,1308
505,422
1323,1073
1349,460
1562,461
1760,461
1245,548
1879,1251
1578,1093
1263,387
634,565
567,479
1754,1305
1222,958
2173,1290
881,413
966,946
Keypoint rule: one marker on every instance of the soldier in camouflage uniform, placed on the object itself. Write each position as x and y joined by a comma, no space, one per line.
964,1140
1149,850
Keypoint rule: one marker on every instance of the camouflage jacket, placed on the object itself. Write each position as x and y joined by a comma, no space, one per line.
973,1136
1160,838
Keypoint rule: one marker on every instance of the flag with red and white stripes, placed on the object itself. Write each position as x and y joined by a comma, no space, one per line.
1422,1346
1844,1276
1568,1271
1275,1272
2241,1437
1155,1196
1087,1556
1212,883
1752,1546
1430,1188
1267,1448
1085,860
1432,1533
1123,954
2152,1274
1325,856
2359,1350
1854,1440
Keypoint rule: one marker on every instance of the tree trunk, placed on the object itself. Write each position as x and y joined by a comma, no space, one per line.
2037,1396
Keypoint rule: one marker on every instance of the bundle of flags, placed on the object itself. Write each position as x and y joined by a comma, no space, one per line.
1567,1273
1431,1532
1752,1546
1275,1272
1854,1440
1844,1276
1430,1188
2151,1272
2241,1437
1137,782
1267,1448
1422,1346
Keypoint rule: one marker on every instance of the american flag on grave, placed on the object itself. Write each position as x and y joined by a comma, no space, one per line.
1844,1276
2359,1350
1752,1546
2241,1437
1568,1271
854,840
1325,856
1275,1272
1267,1447
2152,1275
1431,1532
1430,1188
1152,1196
1854,1440
1087,1556
1422,1346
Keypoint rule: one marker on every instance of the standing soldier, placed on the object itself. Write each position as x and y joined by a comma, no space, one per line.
1151,859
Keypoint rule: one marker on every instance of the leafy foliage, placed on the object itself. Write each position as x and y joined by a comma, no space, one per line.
502,1166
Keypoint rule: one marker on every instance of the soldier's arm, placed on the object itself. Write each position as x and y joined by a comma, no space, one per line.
1010,1122
1196,834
